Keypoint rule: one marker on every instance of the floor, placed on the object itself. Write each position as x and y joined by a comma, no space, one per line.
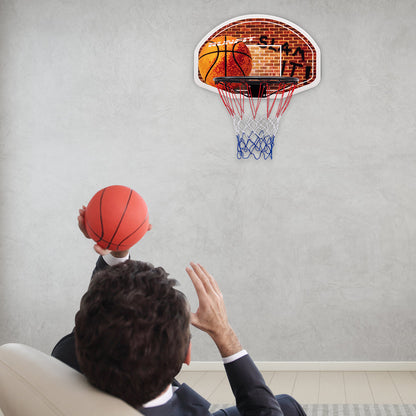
314,387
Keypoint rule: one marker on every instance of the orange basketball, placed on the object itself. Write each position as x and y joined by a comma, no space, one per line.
116,218
224,56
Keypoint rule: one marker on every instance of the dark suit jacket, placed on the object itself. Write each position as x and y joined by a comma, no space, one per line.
252,396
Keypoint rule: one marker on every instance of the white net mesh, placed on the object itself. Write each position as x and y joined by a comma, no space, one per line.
255,137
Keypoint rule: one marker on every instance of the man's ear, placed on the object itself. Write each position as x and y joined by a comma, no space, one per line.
187,360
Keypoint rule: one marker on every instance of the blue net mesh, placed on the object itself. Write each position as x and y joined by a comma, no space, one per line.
259,145
255,137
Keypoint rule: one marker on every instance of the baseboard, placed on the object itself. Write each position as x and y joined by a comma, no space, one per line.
312,366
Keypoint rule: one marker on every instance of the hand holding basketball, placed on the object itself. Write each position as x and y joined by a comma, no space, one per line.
81,221
97,248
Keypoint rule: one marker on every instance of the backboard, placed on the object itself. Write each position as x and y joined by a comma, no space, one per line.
278,48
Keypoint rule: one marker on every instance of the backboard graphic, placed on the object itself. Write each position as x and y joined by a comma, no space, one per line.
276,48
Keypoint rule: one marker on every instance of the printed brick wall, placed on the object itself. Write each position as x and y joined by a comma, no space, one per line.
277,49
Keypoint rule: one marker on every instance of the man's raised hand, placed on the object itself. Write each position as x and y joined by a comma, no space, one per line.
211,316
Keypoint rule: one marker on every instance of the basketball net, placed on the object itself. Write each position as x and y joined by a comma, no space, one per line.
256,111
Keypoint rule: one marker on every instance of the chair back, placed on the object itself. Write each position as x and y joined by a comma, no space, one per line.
36,384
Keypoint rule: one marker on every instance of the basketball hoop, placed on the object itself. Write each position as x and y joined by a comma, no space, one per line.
256,105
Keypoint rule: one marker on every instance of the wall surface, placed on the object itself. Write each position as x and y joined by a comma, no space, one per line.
314,250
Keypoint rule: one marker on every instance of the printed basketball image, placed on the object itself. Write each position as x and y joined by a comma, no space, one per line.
116,218
224,56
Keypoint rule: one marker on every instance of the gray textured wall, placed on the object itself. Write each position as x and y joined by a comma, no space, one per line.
314,250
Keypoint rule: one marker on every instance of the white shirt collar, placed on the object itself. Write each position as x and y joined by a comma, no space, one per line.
161,399
112,261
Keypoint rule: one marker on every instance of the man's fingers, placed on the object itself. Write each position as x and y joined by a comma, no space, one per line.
205,285
199,287
204,278
81,226
101,251
211,279
81,221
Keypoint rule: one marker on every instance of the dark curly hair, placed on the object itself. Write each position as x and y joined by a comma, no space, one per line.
132,331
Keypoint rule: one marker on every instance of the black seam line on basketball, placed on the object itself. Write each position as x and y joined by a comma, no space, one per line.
235,60
212,66
101,217
88,227
102,240
225,51
124,239
97,235
121,219
225,60
135,231
239,52
236,52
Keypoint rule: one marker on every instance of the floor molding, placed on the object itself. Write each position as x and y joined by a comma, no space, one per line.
312,366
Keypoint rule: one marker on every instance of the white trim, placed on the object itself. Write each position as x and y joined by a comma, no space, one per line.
234,357
311,366
259,16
